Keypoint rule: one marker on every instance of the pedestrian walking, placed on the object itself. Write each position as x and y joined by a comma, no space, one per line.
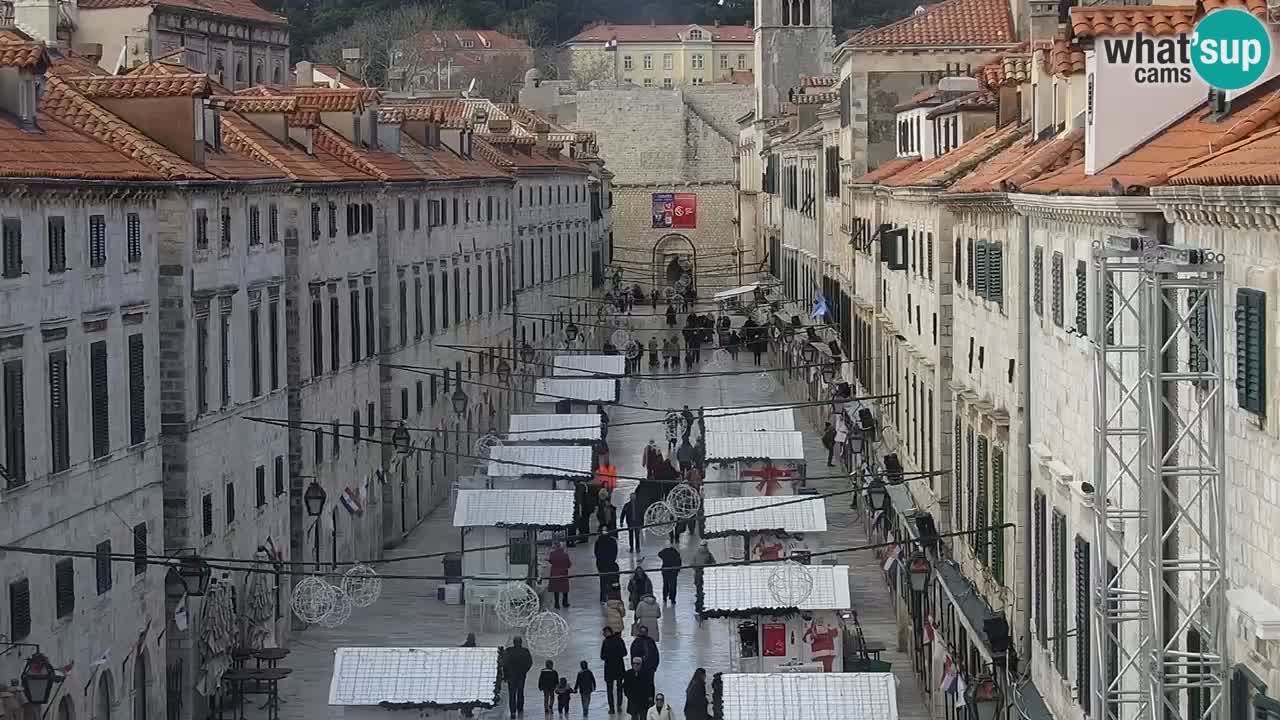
564,693
653,298
671,316
686,417
547,681
646,649
660,710
639,585
604,421
615,611
584,685
653,352
671,562
695,697
829,440
613,652
606,552
647,614
672,423
558,583
631,518
638,686
606,513
702,558
685,455
516,663
757,349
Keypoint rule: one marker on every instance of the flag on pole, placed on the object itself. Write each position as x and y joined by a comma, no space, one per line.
66,669
819,307
891,557
103,659
928,629
961,687
948,675
351,501
180,615
272,553
611,44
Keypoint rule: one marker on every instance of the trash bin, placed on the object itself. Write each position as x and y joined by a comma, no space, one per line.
453,568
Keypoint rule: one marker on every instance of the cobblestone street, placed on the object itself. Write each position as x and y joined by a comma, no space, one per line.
408,613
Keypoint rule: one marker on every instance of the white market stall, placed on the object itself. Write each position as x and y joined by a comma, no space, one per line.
538,466
577,391
768,636
804,696
754,527
564,429
596,366
767,462
739,420
369,681
506,522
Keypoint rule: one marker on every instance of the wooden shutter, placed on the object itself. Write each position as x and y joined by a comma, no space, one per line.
1060,592
137,390
370,326
1251,350
278,470
59,436
1083,584
981,505
19,610
206,515
99,396
260,486
1041,574
1056,289
1037,281
102,566
230,491
64,587
980,268
15,442
970,453
273,337
929,254
1082,297
972,268
11,248
139,548
133,237
957,265
995,273
996,538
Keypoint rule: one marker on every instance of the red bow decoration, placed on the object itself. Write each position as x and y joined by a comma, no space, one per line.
770,478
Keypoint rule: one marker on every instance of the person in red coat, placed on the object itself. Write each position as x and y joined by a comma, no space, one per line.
558,583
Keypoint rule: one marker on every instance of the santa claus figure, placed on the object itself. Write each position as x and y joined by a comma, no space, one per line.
767,549
822,642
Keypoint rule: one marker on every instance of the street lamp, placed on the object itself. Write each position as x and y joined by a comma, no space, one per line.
571,332
504,370
526,353
400,438
460,401
876,494
39,678
918,568
314,499
986,697
808,353
828,370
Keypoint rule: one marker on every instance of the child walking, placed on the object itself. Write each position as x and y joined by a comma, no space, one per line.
563,691
585,685
547,681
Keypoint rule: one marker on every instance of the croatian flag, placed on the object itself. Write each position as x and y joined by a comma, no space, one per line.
928,629
949,676
892,558
961,690
611,44
819,307
351,501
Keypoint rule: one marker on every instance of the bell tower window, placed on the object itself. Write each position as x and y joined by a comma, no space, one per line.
804,12
786,12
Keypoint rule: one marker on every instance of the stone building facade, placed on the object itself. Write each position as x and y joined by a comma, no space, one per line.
659,56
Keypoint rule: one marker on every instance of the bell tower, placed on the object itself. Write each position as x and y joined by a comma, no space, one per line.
793,38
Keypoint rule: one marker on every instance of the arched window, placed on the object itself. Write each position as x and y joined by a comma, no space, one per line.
66,709
240,73
219,70
140,682
786,12
804,12
275,75
105,701
257,73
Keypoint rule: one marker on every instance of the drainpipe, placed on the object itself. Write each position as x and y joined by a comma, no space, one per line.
1024,381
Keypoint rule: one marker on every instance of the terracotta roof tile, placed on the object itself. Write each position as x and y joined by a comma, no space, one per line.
944,169
951,23
1010,68
68,64
817,80
304,119
1155,20
887,170
18,53
421,113
1196,135
815,98
287,157
660,33
382,165
258,91
112,86
1022,162
345,78
62,152
242,9
1251,161
250,104
64,102
330,99
444,164
982,100
1064,59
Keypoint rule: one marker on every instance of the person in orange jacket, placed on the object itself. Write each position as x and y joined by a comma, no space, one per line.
607,475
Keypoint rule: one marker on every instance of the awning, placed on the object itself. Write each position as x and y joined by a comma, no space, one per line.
806,696
435,676
744,589
513,508
769,445
973,609
900,496
741,420
540,460
735,292
540,428
588,390
589,365
767,513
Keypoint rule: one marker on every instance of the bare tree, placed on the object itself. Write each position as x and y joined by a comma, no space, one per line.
500,76
388,40
525,28
586,66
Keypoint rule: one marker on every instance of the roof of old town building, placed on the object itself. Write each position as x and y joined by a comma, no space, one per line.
1062,58
1195,135
660,33
981,101
1022,162
1009,68
1251,161
950,23
480,41
945,169
885,171
1154,20
239,9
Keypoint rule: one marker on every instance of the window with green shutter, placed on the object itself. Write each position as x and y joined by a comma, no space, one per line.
982,539
12,398
139,548
98,395
957,496
1251,350
995,273
970,452
1109,308
1083,583
19,610
1041,574
64,588
1060,593
102,566
971,268
137,390
1037,281
957,266
1055,288
1082,298
997,513
980,268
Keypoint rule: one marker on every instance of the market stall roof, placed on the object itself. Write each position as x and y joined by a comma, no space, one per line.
513,508
739,420
735,292
764,514
806,696
540,460
444,678
589,390
768,445
742,590
589,365
538,428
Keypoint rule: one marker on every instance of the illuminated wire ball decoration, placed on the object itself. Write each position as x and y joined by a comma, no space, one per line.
682,284
669,292
764,383
659,519
632,349
362,584
486,443
516,604
722,356
620,338
341,611
313,599
790,583
684,500
646,390
547,634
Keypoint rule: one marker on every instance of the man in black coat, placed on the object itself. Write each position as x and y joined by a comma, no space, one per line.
638,684
606,561
516,662
646,649
613,651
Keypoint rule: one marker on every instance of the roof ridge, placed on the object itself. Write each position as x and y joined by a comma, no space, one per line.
1056,150
934,11
1247,140
235,136
339,146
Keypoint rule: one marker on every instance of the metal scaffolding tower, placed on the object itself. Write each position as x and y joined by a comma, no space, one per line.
1159,569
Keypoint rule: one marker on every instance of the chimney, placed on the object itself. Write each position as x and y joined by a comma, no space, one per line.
37,18
352,63
305,74
20,93
717,23
1046,17
652,22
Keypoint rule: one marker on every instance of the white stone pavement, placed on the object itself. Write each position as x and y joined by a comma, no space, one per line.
408,613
